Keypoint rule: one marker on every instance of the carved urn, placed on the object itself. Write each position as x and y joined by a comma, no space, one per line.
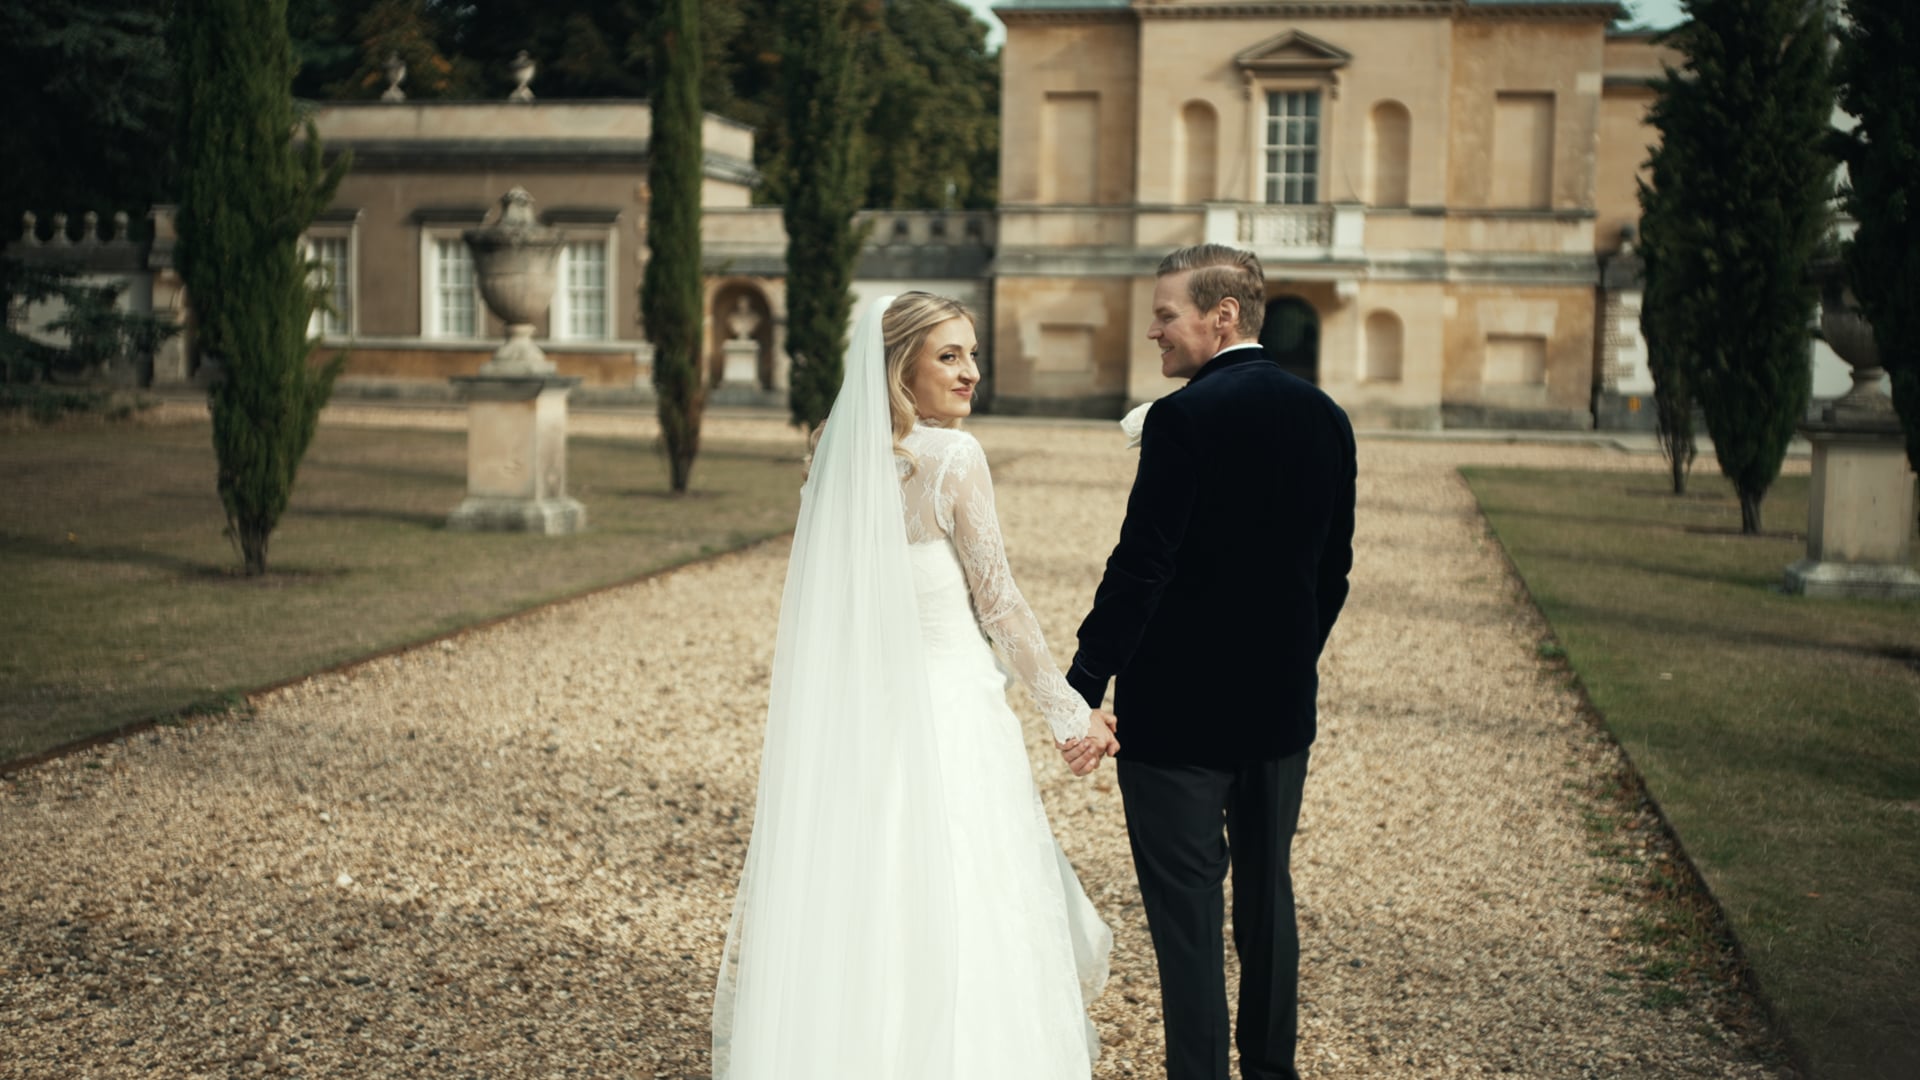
514,260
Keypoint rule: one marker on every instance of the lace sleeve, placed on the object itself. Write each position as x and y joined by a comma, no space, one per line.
966,502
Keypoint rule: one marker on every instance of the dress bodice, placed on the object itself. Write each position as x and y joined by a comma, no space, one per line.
947,498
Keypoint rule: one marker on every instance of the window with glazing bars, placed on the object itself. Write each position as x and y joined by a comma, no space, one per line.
454,314
332,270
586,284
1293,147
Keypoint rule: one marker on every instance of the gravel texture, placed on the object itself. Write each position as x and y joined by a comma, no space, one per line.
512,854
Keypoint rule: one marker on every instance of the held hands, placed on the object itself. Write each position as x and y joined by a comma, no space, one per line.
1083,754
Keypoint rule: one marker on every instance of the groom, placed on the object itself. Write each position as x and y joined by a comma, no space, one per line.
1230,570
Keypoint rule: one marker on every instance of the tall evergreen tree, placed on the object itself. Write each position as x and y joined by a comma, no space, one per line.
1879,68
247,194
1743,182
670,294
1672,399
824,113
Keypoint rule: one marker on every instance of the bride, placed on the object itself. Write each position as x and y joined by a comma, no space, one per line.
904,910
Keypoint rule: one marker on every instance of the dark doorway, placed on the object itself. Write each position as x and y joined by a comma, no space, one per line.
1291,335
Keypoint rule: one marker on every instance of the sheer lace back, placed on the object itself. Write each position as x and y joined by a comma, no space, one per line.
947,495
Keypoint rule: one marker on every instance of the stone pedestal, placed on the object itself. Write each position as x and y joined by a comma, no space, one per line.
742,364
1860,512
517,456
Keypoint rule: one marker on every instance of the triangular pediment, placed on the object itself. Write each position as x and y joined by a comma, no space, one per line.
1293,51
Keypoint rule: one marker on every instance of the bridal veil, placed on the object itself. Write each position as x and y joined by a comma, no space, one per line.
840,958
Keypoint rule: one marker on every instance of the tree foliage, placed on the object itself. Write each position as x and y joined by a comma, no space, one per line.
1879,72
821,87
99,334
93,124
670,296
1672,398
1741,184
936,108
248,192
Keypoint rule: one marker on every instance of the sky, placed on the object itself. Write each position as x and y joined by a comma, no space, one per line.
1661,13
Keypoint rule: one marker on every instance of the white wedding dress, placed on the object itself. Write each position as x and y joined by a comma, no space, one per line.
954,942
1033,953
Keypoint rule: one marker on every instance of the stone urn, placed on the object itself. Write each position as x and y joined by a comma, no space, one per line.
517,404
1860,507
1846,330
515,261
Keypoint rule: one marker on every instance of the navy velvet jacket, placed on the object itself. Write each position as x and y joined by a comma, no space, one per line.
1230,571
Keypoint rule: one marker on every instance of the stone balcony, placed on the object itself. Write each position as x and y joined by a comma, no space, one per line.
1327,233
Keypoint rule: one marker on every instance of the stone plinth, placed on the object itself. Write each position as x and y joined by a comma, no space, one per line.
517,456
742,363
1860,513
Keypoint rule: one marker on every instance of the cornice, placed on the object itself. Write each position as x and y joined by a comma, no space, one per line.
1322,9
1314,9
1065,15
1599,10
1296,9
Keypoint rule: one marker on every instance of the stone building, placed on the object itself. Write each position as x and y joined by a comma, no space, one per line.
406,310
1433,186
406,306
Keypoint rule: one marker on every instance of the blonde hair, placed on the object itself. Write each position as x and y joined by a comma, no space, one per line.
903,333
1219,272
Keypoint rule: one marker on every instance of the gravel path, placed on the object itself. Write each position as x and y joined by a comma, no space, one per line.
512,855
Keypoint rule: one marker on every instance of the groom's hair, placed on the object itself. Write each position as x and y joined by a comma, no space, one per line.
1219,272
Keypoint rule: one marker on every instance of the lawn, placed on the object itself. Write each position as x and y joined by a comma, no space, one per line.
122,600
1780,735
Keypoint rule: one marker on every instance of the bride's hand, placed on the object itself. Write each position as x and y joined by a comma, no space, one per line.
1083,754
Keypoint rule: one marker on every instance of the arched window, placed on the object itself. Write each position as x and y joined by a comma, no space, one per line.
1389,137
1386,340
1196,151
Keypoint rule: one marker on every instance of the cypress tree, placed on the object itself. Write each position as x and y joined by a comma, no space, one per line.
670,294
824,184
1661,303
1742,181
1672,401
247,193
1879,68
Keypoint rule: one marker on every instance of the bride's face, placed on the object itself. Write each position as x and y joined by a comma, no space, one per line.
943,376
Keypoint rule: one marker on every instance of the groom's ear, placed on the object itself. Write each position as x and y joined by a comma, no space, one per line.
1227,313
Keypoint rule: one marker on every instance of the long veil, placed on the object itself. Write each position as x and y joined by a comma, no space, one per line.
840,960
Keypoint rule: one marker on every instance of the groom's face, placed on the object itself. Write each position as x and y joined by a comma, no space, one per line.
1187,336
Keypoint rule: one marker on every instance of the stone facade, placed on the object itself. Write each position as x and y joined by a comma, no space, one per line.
1432,186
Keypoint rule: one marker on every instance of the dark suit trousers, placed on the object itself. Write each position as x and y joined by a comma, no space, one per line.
1175,815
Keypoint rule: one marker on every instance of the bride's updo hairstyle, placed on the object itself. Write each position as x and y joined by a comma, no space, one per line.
903,332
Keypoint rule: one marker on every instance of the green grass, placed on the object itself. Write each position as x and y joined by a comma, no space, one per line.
123,602
1780,735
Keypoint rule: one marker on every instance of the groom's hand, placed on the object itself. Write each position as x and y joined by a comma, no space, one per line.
1083,755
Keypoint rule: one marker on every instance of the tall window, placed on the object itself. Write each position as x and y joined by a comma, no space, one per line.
455,314
332,274
1293,147
582,307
